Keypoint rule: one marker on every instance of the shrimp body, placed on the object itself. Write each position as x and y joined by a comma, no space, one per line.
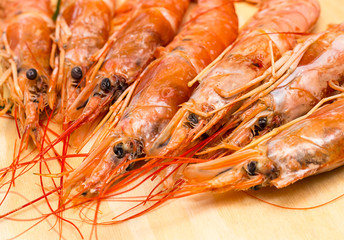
311,146
299,92
154,24
89,24
28,26
162,88
260,40
159,93
123,12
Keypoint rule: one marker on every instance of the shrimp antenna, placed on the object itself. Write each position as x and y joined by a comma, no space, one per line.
296,208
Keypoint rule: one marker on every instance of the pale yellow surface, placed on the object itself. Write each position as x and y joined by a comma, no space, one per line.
232,215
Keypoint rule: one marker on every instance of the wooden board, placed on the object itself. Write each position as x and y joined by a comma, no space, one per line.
232,215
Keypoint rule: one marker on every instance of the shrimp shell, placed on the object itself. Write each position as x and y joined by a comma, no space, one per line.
162,88
88,22
310,146
153,24
300,90
27,30
261,42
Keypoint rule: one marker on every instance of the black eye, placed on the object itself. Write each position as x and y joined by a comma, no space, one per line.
193,119
105,85
119,151
251,168
76,73
31,74
262,122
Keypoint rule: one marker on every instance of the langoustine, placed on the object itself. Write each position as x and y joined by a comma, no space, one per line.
26,36
162,88
271,32
154,23
306,146
320,66
82,29
309,146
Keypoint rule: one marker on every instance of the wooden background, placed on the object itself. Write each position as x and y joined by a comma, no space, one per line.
232,215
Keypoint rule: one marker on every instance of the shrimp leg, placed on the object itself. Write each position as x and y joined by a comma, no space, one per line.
27,40
261,42
298,91
162,88
310,146
153,24
83,29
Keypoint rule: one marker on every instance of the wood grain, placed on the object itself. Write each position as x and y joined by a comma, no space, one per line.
232,215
